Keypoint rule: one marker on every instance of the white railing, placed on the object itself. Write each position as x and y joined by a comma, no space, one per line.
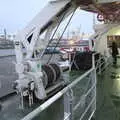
101,63
88,96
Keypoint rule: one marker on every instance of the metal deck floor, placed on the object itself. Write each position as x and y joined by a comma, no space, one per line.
108,94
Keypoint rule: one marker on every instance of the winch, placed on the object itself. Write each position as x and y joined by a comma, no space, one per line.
37,79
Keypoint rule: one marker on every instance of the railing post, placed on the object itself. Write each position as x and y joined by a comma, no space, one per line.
70,59
94,77
93,61
68,105
71,104
100,65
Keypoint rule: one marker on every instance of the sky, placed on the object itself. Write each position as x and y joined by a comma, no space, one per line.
16,14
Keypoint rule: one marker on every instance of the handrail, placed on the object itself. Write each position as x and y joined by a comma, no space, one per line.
49,102
88,108
93,59
86,94
99,63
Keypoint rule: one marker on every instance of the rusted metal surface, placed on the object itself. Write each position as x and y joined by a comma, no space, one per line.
107,12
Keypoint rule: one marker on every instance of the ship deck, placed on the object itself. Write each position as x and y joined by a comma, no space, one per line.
108,99
108,93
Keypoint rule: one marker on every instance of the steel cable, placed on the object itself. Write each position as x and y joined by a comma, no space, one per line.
62,34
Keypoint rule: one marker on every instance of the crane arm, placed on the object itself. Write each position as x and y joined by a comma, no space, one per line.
47,19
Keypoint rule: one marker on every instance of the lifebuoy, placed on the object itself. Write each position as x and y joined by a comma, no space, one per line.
100,17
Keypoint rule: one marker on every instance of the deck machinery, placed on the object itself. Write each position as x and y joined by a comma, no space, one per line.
34,76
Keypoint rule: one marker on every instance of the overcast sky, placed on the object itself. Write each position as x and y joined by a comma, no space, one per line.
15,14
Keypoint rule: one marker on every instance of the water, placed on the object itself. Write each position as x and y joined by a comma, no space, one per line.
7,71
6,52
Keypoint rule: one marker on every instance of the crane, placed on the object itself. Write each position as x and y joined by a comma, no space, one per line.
33,76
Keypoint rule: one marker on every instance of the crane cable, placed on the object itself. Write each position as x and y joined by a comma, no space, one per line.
62,34
59,22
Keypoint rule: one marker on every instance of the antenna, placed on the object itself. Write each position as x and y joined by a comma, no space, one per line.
5,34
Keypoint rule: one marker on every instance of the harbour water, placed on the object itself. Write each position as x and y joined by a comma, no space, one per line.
7,52
7,71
